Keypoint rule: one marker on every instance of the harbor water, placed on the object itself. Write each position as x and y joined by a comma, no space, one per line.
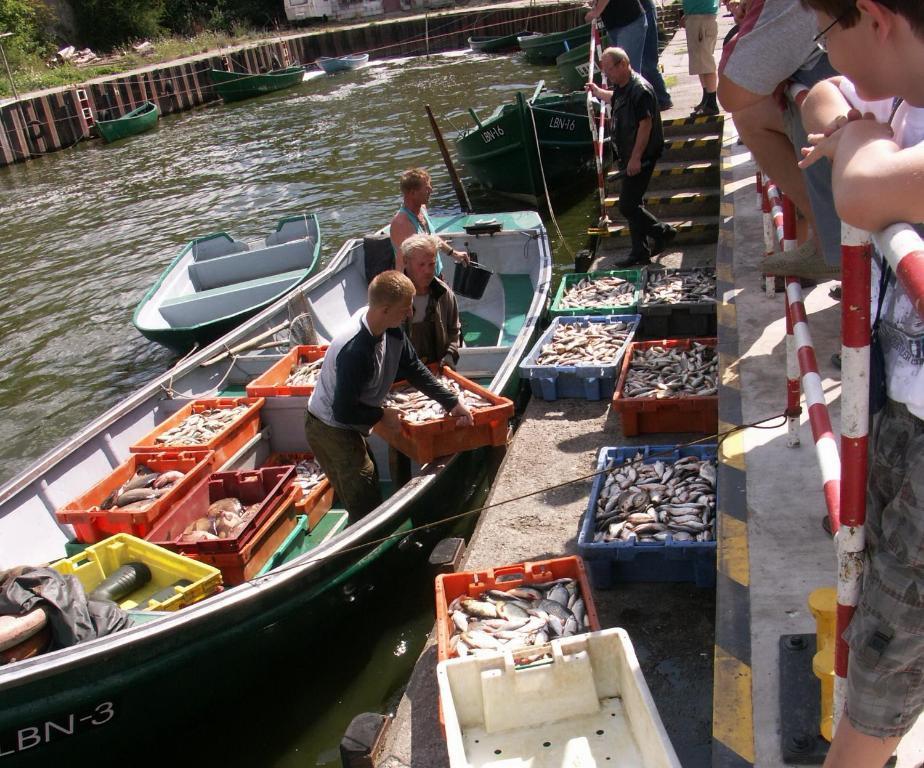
85,232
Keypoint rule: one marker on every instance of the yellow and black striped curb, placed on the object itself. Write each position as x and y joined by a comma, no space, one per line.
676,169
732,699
678,197
687,231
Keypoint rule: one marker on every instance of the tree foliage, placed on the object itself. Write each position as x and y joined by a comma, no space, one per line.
27,20
103,24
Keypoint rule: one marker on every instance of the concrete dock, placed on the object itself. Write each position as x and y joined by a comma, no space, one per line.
711,658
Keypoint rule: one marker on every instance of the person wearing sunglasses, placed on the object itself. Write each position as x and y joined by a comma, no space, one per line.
869,125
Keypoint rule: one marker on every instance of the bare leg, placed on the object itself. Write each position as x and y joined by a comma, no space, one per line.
760,127
852,749
709,82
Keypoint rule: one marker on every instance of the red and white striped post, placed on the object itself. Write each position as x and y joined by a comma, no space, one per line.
903,248
597,131
825,444
769,249
783,215
850,539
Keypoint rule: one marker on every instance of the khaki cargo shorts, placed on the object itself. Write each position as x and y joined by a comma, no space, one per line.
702,34
885,678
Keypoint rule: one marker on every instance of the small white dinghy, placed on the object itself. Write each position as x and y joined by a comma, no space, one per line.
342,63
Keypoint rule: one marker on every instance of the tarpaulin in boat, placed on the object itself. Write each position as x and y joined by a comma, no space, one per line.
72,617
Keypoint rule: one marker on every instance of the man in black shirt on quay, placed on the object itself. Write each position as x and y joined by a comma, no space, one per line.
638,140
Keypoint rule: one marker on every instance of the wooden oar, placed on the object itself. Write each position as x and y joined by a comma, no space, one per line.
461,194
249,344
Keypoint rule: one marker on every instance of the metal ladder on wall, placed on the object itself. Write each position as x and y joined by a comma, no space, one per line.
87,121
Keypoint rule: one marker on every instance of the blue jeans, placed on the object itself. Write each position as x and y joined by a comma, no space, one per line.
631,38
650,69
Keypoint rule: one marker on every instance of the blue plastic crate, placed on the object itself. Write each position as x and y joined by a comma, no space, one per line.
611,562
588,382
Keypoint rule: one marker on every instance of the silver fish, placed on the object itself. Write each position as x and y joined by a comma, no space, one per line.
522,617
661,372
682,507
608,291
585,344
676,287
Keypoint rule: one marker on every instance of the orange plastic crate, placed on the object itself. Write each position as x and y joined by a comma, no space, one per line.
269,487
666,414
443,437
317,502
244,563
272,382
225,444
449,586
92,524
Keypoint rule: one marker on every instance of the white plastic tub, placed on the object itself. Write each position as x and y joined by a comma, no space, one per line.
587,706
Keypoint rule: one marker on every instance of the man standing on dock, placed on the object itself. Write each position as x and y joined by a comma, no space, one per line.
638,140
360,366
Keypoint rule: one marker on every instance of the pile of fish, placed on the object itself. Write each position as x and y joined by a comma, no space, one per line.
305,374
308,474
142,490
518,618
608,291
694,286
225,519
200,428
416,407
657,500
586,344
660,372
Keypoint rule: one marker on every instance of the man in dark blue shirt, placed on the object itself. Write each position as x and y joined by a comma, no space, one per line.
359,367
638,140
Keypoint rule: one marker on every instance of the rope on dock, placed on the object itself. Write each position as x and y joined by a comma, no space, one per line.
718,437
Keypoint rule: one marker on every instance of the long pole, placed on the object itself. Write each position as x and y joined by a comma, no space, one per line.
461,194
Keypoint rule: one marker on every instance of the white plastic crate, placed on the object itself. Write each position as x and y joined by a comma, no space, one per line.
588,705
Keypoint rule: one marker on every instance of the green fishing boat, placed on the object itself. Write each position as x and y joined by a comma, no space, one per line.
234,86
99,701
544,48
501,151
574,65
494,43
138,120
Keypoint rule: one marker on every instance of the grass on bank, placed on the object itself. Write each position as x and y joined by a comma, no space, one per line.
32,73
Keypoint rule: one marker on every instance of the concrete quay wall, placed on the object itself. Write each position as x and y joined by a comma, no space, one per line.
44,122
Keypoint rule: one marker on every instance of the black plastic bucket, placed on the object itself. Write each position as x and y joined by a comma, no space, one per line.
471,280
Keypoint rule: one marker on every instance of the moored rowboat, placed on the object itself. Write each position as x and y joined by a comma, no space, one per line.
234,86
140,119
215,283
494,43
543,49
342,63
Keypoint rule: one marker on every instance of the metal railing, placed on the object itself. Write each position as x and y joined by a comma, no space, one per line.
844,473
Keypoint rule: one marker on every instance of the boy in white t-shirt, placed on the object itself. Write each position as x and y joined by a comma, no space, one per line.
870,125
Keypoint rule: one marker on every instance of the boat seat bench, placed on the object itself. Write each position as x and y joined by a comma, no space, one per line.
200,307
518,297
221,271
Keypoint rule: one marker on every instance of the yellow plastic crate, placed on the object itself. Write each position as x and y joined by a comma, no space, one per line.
98,561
